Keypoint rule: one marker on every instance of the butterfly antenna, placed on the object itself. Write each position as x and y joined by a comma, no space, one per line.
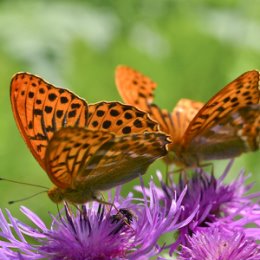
24,183
26,198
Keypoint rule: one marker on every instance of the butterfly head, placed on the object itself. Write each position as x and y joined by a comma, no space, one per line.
77,196
55,194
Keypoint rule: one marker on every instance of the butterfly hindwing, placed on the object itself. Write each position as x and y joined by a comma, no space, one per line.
99,159
243,91
69,151
182,115
238,132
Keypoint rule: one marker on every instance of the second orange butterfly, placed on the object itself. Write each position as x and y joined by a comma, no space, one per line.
225,127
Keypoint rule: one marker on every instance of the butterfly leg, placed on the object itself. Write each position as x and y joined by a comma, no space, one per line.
182,174
58,209
169,172
101,201
68,211
104,202
210,164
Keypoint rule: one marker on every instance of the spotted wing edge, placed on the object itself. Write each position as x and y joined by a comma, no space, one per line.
18,120
190,133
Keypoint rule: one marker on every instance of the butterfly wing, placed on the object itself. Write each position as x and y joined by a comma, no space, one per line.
125,158
68,152
40,109
99,160
119,118
134,88
241,92
182,115
236,133
138,90
190,121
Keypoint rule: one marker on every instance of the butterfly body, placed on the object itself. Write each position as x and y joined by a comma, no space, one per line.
225,127
78,195
83,148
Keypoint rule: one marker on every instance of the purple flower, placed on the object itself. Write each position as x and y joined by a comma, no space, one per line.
220,243
219,204
96,231
194,212
12,233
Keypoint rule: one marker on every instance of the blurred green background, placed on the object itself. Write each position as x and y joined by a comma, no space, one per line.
190,48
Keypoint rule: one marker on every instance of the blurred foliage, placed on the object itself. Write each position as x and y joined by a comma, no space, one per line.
190,48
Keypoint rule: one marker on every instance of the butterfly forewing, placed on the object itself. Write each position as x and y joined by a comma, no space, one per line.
100,159
134,88
138,90
119,118
241,92
40,109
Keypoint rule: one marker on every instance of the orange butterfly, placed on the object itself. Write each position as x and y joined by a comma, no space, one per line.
226,126
83,148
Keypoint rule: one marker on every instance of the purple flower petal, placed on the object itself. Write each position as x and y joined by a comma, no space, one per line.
220,243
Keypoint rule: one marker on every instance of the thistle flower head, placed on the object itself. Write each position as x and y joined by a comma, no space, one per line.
96,231
208,217
217,203
220,243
